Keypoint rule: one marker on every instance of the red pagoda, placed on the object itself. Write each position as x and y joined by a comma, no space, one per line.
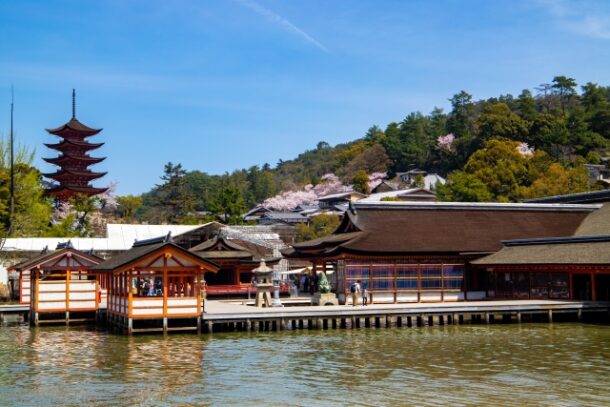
74,176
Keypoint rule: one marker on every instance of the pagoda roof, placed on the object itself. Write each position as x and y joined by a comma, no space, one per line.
74,126
65,174
70,190
74,143
70,157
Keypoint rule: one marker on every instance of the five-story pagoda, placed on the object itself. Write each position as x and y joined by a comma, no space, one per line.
74,177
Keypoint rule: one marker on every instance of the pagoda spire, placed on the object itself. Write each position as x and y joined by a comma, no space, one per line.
74,176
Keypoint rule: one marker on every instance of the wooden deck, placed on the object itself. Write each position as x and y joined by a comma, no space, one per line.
234,316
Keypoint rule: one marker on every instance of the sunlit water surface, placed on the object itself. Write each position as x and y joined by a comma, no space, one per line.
534,364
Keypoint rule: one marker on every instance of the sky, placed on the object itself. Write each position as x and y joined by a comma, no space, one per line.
222,85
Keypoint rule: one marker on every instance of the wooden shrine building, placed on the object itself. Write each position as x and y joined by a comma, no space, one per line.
60,285
422,251
236,259
74,176
156,286
574,267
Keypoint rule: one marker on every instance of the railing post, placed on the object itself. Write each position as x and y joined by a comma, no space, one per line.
129,304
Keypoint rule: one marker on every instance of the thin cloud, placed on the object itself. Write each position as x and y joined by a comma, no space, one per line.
577,20
281,21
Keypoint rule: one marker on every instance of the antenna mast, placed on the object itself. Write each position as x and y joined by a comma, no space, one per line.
12,191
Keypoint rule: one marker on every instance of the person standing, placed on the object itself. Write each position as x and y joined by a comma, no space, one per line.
355,290
365,295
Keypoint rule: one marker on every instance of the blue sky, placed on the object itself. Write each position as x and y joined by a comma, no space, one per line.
219,85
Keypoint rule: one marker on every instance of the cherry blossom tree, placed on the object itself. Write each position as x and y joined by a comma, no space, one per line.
309,195
445,142
525,150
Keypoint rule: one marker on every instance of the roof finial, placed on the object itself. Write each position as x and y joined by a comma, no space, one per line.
73,103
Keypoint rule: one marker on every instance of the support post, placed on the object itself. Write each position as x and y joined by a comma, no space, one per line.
550,315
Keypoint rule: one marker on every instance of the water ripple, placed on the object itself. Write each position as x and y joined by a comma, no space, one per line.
553,365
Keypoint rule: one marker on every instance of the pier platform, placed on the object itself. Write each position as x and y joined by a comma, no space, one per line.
220,315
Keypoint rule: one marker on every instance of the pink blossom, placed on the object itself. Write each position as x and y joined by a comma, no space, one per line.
287,201
445,142
525,150
376,178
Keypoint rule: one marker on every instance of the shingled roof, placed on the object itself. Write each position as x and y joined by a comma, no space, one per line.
400,228
577,250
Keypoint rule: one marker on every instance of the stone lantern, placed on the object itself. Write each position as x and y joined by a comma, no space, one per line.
263,284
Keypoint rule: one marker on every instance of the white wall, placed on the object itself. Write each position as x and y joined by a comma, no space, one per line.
3,275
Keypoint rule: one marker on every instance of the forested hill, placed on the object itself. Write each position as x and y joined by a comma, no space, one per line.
506,148
563,124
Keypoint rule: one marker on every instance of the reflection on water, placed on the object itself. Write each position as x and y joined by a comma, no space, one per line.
547,364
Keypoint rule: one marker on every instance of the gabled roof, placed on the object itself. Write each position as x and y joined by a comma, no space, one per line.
56,256
399,228
256,209
136,253
385,186
221,247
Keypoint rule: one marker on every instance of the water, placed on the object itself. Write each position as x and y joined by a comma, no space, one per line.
533,364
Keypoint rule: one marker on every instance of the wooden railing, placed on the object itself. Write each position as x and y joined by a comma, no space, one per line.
132,306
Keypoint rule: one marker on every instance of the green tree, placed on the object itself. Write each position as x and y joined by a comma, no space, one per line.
558,180
32,209
172,201
461,117
230,205
526,106
497,121
463,187
361,182
128,205
410,142
372,159
501,167
319,226
565,88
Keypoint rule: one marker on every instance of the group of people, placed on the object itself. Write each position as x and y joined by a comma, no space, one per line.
357,290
